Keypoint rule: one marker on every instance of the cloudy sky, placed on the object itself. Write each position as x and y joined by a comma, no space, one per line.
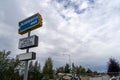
86,30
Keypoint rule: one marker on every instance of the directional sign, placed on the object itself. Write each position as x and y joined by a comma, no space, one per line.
26,56
30,23
28,42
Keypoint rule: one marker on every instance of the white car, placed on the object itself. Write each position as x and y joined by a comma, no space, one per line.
115,78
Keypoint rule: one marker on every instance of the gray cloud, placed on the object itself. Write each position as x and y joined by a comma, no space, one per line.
90,37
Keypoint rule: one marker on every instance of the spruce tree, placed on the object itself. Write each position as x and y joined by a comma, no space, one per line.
113,67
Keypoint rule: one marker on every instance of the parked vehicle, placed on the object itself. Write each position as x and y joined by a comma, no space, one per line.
115,78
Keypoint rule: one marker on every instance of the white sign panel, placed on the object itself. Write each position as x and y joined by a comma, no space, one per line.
26,56
28,42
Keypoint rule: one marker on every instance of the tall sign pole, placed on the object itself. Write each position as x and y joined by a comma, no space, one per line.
26,62
26,26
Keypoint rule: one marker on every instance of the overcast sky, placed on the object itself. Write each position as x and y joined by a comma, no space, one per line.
87,30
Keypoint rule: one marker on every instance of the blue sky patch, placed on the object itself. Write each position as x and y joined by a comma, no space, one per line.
76,7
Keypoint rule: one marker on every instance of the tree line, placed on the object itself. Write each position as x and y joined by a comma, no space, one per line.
12,69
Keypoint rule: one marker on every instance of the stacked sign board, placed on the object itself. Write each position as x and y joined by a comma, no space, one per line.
28,42
26,56
25,26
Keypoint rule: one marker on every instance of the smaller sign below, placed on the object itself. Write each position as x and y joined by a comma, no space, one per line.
28,42
26,56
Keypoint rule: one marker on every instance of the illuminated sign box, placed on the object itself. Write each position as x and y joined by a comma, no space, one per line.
30,23
26,56
28,42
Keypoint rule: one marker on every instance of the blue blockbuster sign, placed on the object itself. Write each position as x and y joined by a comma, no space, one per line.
30,23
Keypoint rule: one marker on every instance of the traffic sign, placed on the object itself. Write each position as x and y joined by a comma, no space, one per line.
26,56
28,42
30,23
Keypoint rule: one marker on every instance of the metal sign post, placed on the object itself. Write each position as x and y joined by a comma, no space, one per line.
27,25
26,62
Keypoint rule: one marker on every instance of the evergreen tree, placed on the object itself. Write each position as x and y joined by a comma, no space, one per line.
83,71
8,66
67,68
89,71
31,71
113,67
96,73
48,69
34,71
79,69
36,66
60,70
31,67
37,70
73,68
